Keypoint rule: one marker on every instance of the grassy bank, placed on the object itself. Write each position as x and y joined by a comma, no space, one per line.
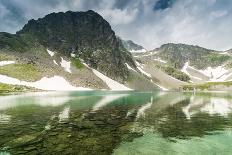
207,86
26,72
6,88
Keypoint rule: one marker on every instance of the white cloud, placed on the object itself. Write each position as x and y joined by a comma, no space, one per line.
206,23
118,16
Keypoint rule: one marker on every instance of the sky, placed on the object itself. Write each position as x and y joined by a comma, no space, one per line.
150,23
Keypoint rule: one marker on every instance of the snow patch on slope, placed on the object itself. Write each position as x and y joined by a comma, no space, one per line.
113,85
140,68
53,83
3,63
66,65
73,55
184,70
216,74
50,53
224,53
138,51
149,54
161,87
145,73
55,62
160,60
129,67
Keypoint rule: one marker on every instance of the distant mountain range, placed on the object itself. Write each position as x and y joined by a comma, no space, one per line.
80,51
133,47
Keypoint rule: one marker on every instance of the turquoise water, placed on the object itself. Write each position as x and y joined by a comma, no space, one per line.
120,123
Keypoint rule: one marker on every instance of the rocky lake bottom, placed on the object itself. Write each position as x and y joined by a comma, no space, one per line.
119,123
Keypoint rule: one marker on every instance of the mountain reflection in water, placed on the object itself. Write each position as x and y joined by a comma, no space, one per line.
101,122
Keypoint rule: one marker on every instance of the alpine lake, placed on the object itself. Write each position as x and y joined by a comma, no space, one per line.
118,123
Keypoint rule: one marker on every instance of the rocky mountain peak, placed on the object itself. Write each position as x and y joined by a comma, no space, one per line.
85,34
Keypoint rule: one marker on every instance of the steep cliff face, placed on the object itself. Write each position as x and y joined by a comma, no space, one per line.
85,34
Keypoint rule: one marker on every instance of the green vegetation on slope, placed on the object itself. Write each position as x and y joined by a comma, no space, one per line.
201,58
174,73
211,59
27,72
12,42
5,88
206,86
77,63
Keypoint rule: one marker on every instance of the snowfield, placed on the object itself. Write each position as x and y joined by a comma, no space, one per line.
150,54
140,68
216,74
3,63
66,65
113,85
161,87
55,62
50,53
184,70
57,83
138,51
52,83
129,67
73,55
224,53
160,60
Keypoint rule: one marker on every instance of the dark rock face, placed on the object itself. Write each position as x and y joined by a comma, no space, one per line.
85,34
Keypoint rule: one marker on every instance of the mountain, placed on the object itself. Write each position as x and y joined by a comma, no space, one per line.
80,51
85,34
178,54
133,47
188,64
76,49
